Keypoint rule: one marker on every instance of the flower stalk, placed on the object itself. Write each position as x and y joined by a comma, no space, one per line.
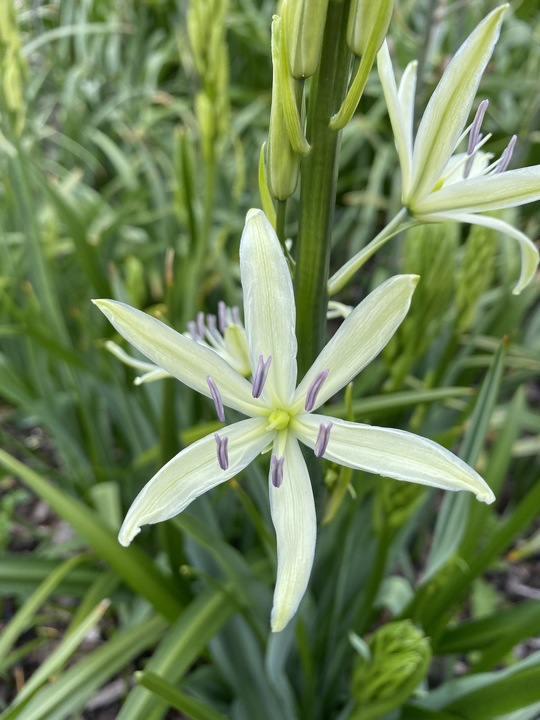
318,177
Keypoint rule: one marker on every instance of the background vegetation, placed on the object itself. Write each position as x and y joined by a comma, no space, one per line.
129,147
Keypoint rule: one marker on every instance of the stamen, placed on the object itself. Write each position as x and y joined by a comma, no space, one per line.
506,156
314,389
216,397
212,332
236,315
222,451
200,324
276,470
192,329
474,135
222,316
322,439
261,373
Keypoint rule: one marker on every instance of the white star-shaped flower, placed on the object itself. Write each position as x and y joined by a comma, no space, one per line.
280,413
437,185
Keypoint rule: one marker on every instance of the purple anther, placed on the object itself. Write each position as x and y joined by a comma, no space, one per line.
322,439
314,389
276,470
222,316
200,324
192,328
474,134
216,397
211,323
222,451
236,315
261,373
506,156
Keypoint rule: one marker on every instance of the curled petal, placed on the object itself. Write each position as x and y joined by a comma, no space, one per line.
393,453
293,515
269,308
191,473
529,252
361,337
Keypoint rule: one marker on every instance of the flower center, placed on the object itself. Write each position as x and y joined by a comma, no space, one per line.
278,420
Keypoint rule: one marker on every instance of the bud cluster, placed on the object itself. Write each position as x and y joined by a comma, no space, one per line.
297,41
397,661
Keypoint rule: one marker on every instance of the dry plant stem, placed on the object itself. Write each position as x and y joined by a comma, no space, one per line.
318,187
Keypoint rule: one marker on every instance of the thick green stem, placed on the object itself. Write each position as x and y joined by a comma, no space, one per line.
318,186
281,215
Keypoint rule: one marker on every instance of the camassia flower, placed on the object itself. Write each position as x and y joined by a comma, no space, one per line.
223,333
438,185
280,413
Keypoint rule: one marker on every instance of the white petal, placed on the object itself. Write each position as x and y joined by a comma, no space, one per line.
449,106
401,118
183,358
529,252
406,96
481,194
393,453
361,337
191,473
293,514
269,307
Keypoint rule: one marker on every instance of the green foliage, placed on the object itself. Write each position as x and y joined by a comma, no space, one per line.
130,138
396,660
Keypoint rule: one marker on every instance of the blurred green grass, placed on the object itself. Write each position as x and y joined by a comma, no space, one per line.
118,180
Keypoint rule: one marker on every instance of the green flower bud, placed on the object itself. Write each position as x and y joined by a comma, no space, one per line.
282,162
399,659
395,502
368,21
476,273
366,30
204,111
12,66
304,34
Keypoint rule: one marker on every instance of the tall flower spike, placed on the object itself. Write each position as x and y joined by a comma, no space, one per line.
280,416
431,190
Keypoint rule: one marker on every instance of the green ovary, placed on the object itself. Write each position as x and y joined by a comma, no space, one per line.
278,420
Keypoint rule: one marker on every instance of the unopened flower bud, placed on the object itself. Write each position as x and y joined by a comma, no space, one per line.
13,66
304,34
397,661
395,502
368,21
282,162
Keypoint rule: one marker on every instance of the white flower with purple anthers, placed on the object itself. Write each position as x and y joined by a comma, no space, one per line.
438,186
224,334
281,413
